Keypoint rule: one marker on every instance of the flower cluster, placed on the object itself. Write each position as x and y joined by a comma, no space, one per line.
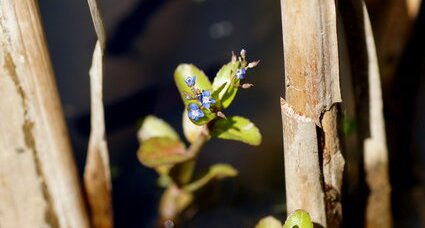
241,71
204,97
201,102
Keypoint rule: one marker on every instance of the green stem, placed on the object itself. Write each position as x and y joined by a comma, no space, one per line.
198,183
182,173
197,145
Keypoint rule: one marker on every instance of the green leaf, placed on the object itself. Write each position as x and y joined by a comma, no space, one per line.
237,128
208,116
153,126
224,84
298,218
269,222
217,171
190,130
160,151
185,70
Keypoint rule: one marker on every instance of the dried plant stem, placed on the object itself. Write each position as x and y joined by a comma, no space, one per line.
38,180
333,166
302,171
170,206
312,90
378,211
97,178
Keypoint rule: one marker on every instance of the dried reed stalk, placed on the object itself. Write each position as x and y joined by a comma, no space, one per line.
38,180
97,178
312,91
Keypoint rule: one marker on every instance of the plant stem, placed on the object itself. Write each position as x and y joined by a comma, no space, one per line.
200,141
181,174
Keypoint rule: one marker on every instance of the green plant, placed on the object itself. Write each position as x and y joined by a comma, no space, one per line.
298,219
203,117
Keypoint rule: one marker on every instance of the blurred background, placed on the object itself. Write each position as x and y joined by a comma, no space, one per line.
147,39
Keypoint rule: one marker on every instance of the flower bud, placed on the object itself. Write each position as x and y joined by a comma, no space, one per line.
253,64
221,115
246,85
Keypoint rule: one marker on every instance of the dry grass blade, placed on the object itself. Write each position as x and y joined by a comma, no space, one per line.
98,22
378,211
97,177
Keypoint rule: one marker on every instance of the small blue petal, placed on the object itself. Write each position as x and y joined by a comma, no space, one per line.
195,113
193,106
206,105
240,74
206,99
190,81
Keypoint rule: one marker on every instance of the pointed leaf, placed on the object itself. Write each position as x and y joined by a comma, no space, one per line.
190,130
300,219
153,126
159,151
217,171
222,171
237,128
187,70
269,222
224,84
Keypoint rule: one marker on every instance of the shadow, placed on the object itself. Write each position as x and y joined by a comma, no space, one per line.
354,200
123,113
400,108
131,27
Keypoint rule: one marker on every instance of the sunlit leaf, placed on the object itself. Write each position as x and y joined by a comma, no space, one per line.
153,126
160,151
300,219
269,222
187,70
224,84
237,128
217,171
190,130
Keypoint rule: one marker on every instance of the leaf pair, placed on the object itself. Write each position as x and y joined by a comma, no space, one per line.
161,145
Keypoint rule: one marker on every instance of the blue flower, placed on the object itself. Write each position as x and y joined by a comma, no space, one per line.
194,112
206,99
190,81
240,74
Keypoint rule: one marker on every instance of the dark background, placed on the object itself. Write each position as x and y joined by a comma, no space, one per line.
147,39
